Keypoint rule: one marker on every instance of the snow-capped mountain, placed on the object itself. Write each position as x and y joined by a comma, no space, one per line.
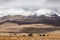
23,16
30,13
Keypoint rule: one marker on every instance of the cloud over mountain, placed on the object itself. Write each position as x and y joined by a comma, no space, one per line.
37,12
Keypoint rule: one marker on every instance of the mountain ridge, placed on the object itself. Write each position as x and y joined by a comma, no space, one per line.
29,13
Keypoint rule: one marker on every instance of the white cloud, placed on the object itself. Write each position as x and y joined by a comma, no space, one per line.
28,3
7,4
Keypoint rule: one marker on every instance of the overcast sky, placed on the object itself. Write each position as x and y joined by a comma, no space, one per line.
29,3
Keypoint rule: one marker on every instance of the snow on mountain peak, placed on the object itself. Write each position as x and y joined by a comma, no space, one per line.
39,12
43,12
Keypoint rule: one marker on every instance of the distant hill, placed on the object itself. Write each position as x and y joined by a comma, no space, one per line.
19,19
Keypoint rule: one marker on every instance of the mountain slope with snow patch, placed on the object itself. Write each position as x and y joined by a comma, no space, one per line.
36,13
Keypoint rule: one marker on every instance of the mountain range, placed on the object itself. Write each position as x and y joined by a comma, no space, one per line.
43,12
26,16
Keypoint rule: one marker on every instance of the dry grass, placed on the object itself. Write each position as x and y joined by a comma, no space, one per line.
53,33
33,37
41,28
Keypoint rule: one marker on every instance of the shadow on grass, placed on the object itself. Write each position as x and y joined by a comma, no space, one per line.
38,30
32,30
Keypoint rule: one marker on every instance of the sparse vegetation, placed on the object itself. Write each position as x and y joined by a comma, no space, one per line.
27,37
30,26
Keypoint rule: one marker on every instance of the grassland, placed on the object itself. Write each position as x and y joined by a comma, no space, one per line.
29,28
42,29
12,31
34,36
